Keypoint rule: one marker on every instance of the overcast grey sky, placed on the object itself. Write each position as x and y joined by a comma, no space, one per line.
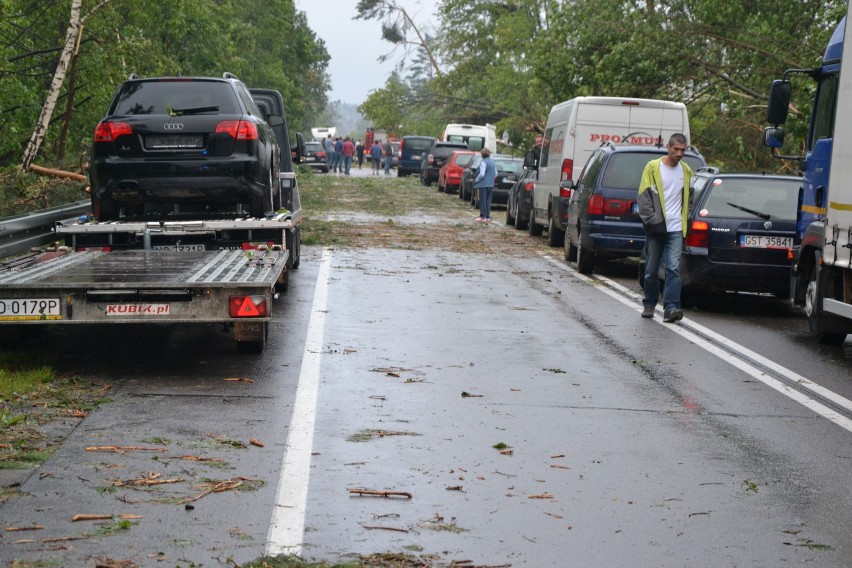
354,45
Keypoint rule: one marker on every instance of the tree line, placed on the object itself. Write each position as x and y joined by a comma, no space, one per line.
266,43
507,62
500,61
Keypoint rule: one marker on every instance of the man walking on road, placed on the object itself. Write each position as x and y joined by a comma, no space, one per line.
666,181
484,184
348,152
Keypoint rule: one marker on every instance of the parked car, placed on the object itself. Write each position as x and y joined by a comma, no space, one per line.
436,157
450,174
508,170
315,156
519,201
741,229
186,141
412,150
603,218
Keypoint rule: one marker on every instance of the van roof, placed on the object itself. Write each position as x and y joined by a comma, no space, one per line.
617,101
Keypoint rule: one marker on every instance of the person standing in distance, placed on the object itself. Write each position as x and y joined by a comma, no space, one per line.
359,153
388,150
376,155
348,152
328,143
669,178
484,184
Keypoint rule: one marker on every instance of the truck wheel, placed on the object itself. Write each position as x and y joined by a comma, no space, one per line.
813,301
399,173
585,258
534,228
555,237
510,219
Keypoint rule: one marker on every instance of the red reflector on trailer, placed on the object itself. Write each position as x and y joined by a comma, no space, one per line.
247,306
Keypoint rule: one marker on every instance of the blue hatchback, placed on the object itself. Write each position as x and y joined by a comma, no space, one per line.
412,151
602,216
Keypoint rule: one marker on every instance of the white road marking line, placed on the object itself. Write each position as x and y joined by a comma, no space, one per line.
287,529
617,291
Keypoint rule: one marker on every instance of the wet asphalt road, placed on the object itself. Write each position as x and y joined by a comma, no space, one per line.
628,442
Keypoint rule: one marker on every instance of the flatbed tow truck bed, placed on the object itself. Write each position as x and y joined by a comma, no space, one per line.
213,271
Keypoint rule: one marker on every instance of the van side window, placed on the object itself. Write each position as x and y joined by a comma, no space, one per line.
592,170
545,148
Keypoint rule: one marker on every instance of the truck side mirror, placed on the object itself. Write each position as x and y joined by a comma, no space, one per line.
773,137
779,102
530,160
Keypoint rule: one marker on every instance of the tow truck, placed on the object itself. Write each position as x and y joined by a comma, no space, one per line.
226,270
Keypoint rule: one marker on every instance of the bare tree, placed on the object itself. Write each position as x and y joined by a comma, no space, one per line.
69,51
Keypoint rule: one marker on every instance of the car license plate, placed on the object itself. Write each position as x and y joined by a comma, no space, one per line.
310,159
30,309
416,156
173,142
180,248
765,242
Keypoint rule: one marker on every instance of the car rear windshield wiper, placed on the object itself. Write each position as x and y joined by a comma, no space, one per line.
190,110
766,216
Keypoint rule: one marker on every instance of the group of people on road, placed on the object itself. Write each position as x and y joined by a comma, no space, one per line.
380,151
339,154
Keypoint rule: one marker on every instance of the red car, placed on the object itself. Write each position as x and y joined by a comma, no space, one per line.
450,174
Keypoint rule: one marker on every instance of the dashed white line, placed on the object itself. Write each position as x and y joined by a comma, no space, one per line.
628,298
287,529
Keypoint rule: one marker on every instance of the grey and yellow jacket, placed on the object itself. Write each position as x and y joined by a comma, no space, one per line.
652,202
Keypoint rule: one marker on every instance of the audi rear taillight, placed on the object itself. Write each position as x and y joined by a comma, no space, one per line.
247,306
567,170
698,234
596,205
109,131
529,186
238,129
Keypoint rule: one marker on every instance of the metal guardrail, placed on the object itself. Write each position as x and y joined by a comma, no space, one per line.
21,233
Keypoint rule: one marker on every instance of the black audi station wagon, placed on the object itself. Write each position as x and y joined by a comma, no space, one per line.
183,144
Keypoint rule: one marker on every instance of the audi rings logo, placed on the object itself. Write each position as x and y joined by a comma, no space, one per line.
173,126
767,225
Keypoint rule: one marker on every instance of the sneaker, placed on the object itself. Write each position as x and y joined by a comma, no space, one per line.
648,312
487,219
672,315
480,219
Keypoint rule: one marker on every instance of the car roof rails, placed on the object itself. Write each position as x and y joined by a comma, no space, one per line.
132,77
707,169
229,75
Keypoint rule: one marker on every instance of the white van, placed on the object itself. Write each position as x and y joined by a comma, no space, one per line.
322,133
475,136
574,129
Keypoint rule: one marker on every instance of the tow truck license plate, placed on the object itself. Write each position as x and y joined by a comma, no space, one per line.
765,242
30,309
180,248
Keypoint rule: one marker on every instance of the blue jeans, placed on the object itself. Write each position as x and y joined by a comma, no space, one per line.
485,196
663,248
329,159
347,163
388,162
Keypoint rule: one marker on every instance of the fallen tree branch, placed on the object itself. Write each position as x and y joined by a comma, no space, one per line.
122,449
376,493
39,170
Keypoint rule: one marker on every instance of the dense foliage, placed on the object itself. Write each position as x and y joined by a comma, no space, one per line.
266,43
509,61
